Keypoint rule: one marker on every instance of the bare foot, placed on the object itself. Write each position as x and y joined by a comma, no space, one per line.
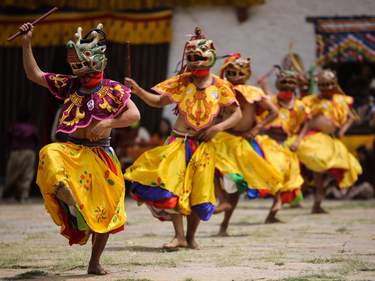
175,243
64,194
223,207
223,232
318,210
192,244
272,219
96,269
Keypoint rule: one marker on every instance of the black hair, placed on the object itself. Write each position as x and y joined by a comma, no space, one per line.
101,42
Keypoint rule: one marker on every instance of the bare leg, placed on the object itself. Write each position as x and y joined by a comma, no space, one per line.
193,222
179,237
319,194
233,200
64,194
276,206
224,205
99,240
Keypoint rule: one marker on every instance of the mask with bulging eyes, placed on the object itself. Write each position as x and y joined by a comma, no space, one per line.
87,54
286,80
200,54
327,81
238,71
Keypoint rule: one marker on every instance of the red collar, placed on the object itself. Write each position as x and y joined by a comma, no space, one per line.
201,72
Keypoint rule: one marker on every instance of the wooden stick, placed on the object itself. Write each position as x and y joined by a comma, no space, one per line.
265,76
128,60
42,17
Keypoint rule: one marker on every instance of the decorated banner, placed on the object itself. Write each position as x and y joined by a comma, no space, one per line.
111,5
344,39
56,30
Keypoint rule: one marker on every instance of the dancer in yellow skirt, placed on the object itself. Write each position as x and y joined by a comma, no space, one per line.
177,179
239,158
291,119
81,179
321,150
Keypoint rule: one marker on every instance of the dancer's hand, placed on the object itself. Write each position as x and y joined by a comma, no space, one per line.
132,85
210,133
99,130
294,146
27,30
254,132
340,134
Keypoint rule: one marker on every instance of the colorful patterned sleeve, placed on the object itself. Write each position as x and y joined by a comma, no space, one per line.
227,95
173,87
119,97
59,84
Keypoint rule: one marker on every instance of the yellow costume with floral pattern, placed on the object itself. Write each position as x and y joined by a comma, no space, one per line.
91,171
335,109
95,179
282,158
239,158
198,106
178,177
323,153
289,120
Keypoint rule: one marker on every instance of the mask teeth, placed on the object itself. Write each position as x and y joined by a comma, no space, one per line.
100,26
78,35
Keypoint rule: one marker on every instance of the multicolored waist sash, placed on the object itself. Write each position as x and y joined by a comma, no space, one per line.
106,142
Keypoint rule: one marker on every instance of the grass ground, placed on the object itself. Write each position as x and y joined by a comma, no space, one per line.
335,247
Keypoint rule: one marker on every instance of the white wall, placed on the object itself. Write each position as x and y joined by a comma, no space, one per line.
265,36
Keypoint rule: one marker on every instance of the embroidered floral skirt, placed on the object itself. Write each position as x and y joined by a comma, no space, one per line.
243,167
175,178
321,153
287,164
94,176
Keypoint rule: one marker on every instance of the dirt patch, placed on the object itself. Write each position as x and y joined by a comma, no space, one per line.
338,246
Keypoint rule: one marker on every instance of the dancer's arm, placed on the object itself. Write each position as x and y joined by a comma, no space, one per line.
346,126
301,134
31,67
149,98
128,117
266,104
263,85
228,123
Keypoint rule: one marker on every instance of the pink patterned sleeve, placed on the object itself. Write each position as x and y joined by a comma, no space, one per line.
59,84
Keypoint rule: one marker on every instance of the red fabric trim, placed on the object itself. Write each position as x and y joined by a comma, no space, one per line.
288,196
91,80
108,160
263,193
200,72
311,133
285,95
338,174
169,203
121,228
75,236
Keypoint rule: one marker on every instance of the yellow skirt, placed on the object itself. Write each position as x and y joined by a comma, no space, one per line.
321,153
178,176
234,155
94,176
284,161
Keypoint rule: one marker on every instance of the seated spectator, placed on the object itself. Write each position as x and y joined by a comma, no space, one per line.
20,168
